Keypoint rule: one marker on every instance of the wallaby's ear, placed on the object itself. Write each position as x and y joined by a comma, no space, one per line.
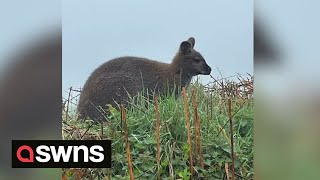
192,41
185,47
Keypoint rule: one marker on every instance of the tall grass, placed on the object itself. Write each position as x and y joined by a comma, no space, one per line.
170,157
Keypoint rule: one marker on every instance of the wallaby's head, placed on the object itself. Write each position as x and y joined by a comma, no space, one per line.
191,61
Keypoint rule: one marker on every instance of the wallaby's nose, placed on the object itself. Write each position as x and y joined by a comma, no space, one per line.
207,71
209,68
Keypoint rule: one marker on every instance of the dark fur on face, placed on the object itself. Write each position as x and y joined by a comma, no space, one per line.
191,60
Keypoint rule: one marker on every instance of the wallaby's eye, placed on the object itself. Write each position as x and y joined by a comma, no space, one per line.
197,59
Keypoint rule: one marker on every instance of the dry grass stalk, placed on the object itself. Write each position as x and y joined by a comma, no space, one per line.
196,141
77,173
157,134
231,137
108,174
64,176
207,102
68,101
226,168
185,101
123,113
211,108
197,128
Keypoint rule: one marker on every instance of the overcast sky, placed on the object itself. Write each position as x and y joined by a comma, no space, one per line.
97,31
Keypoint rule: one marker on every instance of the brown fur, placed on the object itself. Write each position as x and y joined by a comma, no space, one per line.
114,80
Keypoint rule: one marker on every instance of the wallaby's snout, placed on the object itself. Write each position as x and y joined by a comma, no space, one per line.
206,69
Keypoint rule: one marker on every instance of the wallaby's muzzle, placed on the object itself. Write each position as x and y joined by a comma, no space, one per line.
206,70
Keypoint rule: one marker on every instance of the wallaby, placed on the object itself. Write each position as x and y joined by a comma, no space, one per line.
118,79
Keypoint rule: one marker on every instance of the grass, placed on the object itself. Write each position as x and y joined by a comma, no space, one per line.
209,132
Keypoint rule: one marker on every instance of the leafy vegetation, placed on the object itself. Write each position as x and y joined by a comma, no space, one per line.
213,115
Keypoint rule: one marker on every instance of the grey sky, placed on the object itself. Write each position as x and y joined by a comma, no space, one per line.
24,22
294,26
97,31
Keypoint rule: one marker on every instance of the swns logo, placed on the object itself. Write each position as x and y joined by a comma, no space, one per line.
61,153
